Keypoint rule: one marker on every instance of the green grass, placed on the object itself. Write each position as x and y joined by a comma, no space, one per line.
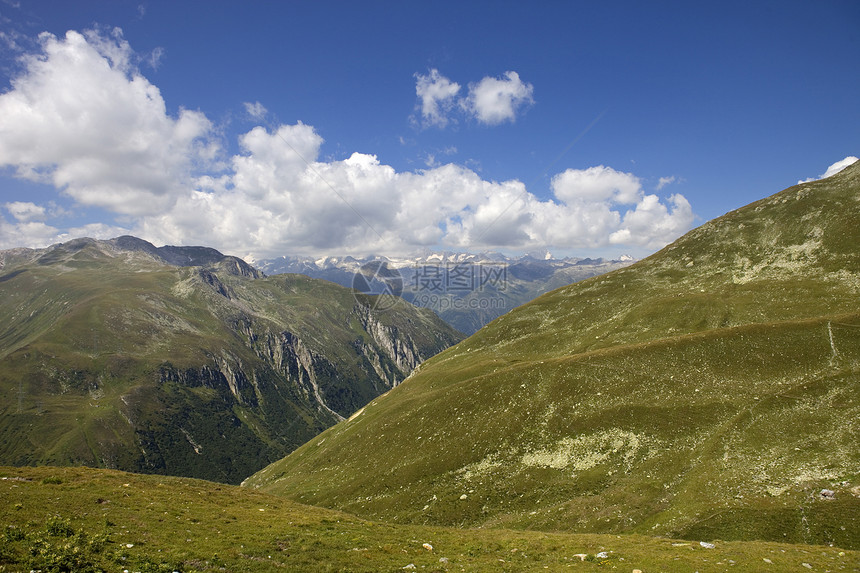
714,387
77,519
667,448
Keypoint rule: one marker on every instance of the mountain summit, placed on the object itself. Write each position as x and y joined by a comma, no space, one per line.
708,391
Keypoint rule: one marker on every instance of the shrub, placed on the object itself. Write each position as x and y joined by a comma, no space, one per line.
61,556
58,527
62,550
13,534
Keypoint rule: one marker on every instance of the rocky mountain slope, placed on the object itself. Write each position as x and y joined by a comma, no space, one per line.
466,290
711,390
184,361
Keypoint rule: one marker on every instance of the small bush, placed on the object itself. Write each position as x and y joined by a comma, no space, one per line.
61,556
13,534
58,527
62,550
148,565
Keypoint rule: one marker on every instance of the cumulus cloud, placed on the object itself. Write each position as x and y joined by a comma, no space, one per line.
281,198
596,184
490,101
35,234
608,205
496,100
38,234
652,224
437,96
83,119
25,211
833,169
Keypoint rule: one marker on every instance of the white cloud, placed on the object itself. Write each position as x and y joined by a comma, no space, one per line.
666,181
281,198
25,211
490,101
256,110
81,118
496,100
153,60
833,169
652,224
839,166
95,231
30,231
34,234
437,95
597,200
597,184
430,159
12,39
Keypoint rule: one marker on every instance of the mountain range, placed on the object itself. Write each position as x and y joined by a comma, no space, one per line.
709,391
184,361
466,290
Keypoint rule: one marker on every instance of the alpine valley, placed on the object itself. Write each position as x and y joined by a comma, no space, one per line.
183,361
710,391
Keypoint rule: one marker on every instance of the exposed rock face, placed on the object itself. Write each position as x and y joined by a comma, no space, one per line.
288,366
400,349
212,280
386,355
291,358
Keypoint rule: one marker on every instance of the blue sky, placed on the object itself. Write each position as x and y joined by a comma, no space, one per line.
267,129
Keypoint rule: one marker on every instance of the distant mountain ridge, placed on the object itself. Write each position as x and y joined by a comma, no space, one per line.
171,255
183,360
710,391
297,263
468,290
183,256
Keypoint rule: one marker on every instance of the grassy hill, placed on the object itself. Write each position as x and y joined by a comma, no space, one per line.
183,361
86,520
709,391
